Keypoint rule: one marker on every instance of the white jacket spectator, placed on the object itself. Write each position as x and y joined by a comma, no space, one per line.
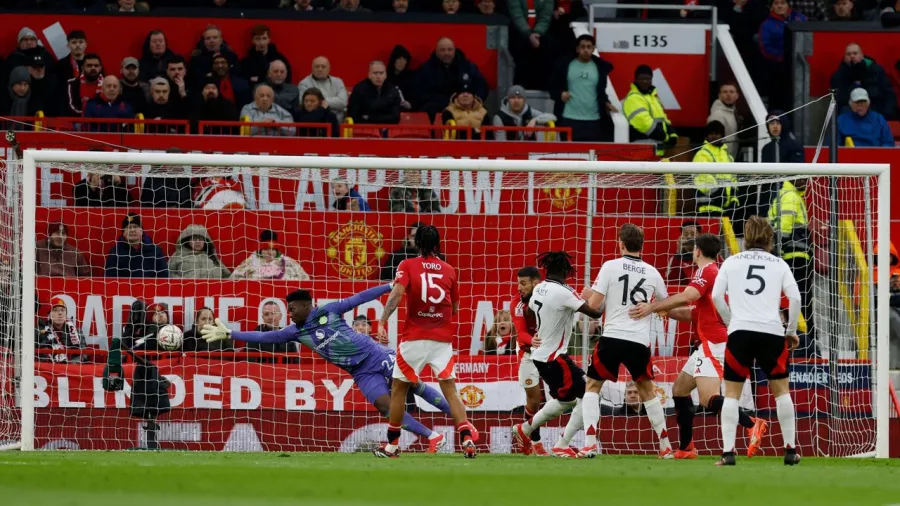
515,112
724,110
268,262
263,109
332,87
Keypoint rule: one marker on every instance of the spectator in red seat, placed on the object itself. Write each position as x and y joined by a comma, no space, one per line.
814,10
210,44
84,87
528,41
263,109
55,257
195,256
311,111
19,100
28,47
346,198
578,89
101,191
724,110
501,339
167,191
155,55
486,7
192,340
843,10
680,269
232,87
108,104
212,106
408,250
450,6
257,64
70,66
128,6
331,87
372,101
135,255
160,105
286,94
351,6
269,263
61,334
410,197
442,76
401,76
867,128
133,90
176,75
515,112
860,71
44,86
466,110
777,73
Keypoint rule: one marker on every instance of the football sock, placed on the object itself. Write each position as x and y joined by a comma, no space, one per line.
744,418
729,424
785,408
464,432
433,397
414,426
658,421
393,436
434,435
590,417
684,414
536,433
551,410
576,422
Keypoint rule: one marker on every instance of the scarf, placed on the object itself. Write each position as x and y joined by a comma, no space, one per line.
19,105
226,91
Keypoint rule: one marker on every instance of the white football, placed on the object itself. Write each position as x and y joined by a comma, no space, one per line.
169,337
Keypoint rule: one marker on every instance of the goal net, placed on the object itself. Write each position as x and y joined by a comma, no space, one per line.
222,236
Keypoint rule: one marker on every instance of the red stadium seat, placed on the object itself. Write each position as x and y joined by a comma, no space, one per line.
895,128
413,119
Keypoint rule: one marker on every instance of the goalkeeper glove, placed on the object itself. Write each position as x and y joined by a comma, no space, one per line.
217,332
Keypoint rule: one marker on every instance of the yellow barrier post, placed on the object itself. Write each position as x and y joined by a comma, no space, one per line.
671,194
348,132
450,134
38,124
859,315
551,136
139,127
245,129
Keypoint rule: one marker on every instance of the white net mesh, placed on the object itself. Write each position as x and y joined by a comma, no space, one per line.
231,243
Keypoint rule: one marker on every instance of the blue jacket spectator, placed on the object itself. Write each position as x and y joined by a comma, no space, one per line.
865,127
346,198
771,31
860,71
108,104
782,141
442,76
135,255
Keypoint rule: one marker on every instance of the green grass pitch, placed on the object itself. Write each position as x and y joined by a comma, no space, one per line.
329,479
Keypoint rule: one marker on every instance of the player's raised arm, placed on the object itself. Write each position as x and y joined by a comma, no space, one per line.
344,305
720,287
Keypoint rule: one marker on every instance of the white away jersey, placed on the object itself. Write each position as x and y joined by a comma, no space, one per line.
754,281
554,305
627,282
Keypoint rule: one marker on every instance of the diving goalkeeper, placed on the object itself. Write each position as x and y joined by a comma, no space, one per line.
323,330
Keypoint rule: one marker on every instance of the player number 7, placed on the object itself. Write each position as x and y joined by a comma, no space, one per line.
427,283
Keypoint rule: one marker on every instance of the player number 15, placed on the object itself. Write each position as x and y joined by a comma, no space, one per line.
427,283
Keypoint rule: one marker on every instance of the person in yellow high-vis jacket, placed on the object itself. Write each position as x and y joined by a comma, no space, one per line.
716,193
789,218
646,117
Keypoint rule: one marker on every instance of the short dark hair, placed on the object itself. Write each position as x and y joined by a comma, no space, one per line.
691,223
175,58
709,245
76,35
586,37
259,30
92,56
299,296
557,264
529,272
313,91
728,83
632,237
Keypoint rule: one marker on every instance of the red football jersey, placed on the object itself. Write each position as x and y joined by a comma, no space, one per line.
524,321
431,290
704,316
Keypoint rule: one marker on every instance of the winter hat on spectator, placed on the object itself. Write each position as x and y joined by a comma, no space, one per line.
859,95
465,87
268,240
58,227
159,80
57,302
156,308
515,91
26,32
131,219
36,61
217,56
643,70
209,80
715,127
130,61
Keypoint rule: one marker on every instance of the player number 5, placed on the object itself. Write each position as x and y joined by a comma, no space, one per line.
428,283
762,282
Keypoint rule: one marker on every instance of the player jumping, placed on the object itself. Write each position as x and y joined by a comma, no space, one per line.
703,370
754,281
324,330
431,302
529,379
554,304
621,284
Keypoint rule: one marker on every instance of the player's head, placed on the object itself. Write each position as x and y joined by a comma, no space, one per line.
529,277
299,305
758,234
631,239
707,246
557,264
428,240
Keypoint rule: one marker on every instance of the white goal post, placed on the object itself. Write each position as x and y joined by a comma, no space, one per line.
517,169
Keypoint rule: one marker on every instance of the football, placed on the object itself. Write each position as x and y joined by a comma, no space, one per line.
169,337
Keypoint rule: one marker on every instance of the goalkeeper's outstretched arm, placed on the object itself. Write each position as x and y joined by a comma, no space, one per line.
344,305
220,332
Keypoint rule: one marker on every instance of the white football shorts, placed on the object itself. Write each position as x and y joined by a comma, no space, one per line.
413,356
528,373
706,362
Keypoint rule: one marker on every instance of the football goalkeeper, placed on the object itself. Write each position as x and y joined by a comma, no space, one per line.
323,330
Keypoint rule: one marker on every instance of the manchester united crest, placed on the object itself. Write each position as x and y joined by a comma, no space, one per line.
564,197
471,396
355,250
